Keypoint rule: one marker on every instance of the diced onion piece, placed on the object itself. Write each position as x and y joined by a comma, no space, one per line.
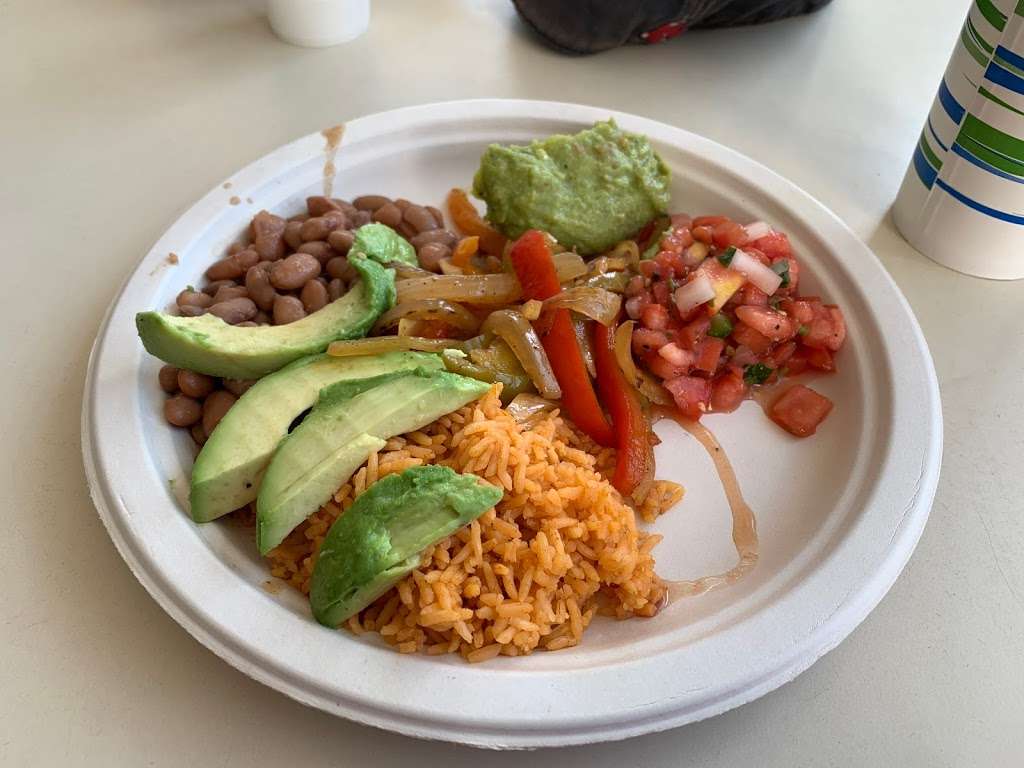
756,272
449,313
625,254
634,306
526,407
676,354
694,293
568,266
756,230
517,332
449,268
595,303
643,381
378,345
579,325
531,309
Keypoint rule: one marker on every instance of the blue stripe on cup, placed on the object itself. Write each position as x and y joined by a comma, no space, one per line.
975,205
950,104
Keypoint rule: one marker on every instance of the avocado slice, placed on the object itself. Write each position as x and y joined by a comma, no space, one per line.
381,243
378,541
209,345
330,444
227,471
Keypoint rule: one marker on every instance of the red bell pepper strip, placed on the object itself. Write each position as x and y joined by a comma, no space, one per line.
635,460
531,258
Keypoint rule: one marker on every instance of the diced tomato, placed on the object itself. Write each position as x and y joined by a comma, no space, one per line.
693,332
800,410
774,245
692,395
838,326
768,322
676,239
800,310
729,233
663,369
743,356
681,220
660,293
821,359
646,340
797,362
752,296
648,267
709,354
781,354
710,221
827,329
670,263
746,336
727,392
703,234
655,317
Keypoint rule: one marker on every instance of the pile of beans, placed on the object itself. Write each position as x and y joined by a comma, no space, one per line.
289,269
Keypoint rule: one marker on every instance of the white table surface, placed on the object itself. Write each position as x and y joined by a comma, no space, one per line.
116,114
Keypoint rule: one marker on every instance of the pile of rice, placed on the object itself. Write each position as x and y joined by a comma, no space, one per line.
532,572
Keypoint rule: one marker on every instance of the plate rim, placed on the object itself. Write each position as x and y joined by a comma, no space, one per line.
850,612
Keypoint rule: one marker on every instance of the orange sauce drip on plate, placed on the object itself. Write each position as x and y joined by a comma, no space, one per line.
333,137
744,524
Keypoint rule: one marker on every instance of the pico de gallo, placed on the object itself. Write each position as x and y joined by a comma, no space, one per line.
718,313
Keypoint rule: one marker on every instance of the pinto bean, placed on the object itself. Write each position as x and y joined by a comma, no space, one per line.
314,296
193,384
214,408
287,309
234,311
182,411
341,240
169,379
294,271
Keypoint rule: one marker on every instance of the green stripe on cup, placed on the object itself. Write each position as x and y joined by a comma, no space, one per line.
976,36
993,98
992,138
1019,10
929,154
992,14
994,159
972,48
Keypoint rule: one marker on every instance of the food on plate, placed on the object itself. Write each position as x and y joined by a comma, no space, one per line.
379,540
206,344
588,191
381,243
227,470
350,420
447,439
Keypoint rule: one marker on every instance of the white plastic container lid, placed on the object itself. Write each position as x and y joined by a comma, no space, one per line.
318,23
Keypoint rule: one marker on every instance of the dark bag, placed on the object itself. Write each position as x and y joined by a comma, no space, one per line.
590,26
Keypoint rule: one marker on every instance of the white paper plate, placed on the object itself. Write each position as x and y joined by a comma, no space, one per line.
839,514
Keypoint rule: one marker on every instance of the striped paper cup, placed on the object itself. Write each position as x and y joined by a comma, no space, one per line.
962,200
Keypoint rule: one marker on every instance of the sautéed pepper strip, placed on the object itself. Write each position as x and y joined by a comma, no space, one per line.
531,258
635,460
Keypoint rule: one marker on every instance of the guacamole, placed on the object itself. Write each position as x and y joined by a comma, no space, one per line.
589,191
